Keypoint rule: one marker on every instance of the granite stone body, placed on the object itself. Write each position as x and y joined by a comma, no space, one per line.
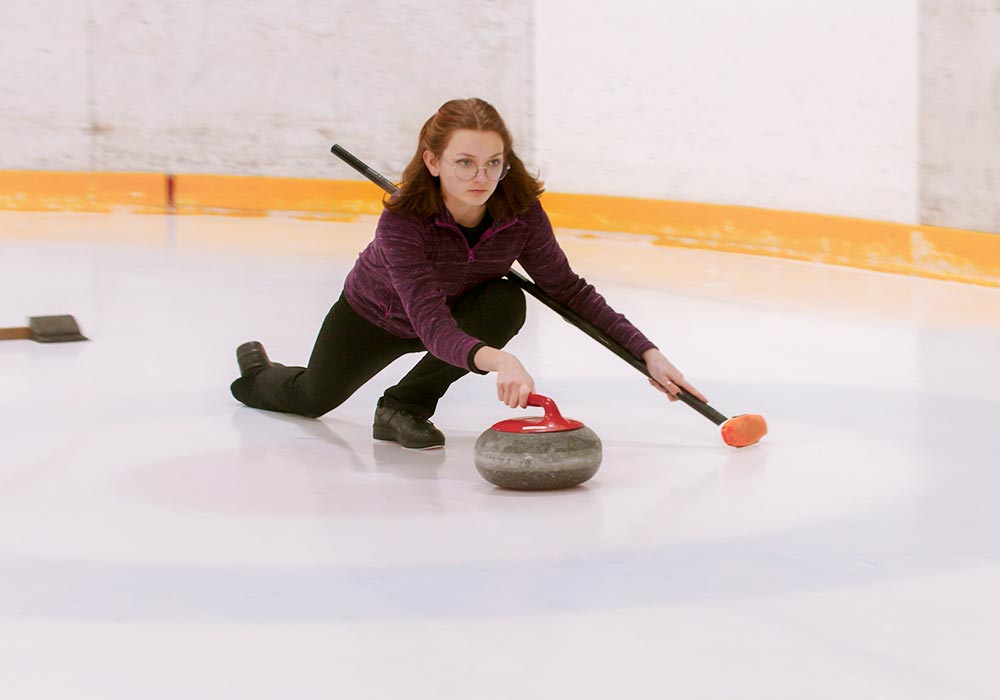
538,461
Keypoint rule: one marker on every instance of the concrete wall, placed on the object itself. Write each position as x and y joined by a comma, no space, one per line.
884,109
791,104
249,86
960,107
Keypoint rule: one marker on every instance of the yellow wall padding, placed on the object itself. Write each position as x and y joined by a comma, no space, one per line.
927,251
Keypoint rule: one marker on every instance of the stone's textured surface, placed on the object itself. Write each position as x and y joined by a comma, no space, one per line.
540,461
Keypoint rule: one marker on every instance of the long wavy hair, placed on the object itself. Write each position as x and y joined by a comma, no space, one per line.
420,192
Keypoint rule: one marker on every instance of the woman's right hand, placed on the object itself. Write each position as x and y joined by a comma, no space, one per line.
514,384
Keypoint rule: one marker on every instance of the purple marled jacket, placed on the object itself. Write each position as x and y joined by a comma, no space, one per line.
409,277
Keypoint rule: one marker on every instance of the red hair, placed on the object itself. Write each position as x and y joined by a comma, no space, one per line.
420,192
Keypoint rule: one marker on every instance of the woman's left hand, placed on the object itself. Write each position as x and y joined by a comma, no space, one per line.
665,377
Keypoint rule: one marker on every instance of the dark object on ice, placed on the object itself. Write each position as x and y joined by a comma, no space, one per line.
46,329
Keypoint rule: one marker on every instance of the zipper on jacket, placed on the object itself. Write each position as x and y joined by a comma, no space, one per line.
458,232
472,249
487,235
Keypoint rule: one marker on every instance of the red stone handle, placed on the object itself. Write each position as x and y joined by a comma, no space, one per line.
551,410
553,420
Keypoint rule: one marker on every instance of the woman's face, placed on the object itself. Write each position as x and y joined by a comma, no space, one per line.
467,149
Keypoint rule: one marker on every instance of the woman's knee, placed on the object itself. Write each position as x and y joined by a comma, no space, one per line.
318,400
314,408
493,312
506,301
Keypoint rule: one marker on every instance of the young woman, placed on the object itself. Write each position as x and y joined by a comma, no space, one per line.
431,280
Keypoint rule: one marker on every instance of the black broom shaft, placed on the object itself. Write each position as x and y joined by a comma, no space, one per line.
614,346
362,168
534,290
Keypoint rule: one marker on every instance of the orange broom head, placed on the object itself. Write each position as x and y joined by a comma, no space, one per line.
740,431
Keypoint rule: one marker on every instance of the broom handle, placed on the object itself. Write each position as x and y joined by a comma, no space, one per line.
614,346
15,333
362,168
534,290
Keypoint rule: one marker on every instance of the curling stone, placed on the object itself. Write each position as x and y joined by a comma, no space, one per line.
538,454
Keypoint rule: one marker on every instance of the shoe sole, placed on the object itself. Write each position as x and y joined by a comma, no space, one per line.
255,350
386,435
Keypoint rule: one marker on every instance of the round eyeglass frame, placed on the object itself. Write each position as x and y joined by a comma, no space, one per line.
505,168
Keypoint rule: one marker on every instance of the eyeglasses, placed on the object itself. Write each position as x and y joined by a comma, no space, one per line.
466,170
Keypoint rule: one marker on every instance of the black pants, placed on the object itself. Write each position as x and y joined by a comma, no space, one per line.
350,350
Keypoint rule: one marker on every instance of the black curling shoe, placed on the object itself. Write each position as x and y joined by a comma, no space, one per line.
251,358
407,429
